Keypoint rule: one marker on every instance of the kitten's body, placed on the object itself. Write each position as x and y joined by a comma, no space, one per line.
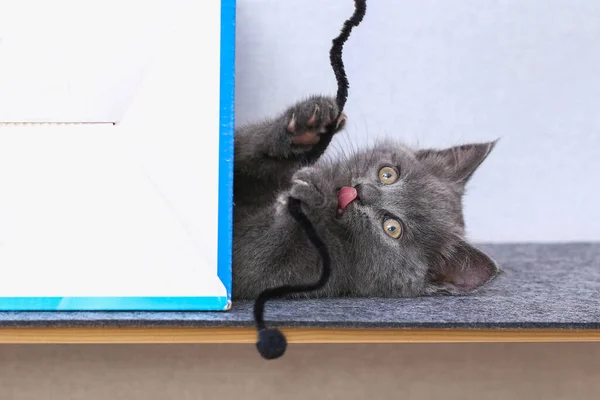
279,157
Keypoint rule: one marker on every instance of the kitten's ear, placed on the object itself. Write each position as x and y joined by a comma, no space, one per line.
465,270
456,163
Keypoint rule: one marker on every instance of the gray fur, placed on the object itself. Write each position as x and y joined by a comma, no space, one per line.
270,249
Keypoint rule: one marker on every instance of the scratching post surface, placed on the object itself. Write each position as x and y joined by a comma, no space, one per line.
542,286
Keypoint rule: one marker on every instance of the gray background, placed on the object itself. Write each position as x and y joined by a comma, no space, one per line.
438,73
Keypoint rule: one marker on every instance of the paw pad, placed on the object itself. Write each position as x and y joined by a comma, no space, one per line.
312,118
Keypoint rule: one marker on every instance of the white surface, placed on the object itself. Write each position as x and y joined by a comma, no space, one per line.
125,210
441,72
75,61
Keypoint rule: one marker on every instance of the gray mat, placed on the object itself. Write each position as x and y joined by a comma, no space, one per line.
543,286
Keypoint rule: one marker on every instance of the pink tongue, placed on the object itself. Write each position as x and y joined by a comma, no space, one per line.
346,196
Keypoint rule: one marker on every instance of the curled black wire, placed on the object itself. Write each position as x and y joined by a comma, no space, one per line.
271,342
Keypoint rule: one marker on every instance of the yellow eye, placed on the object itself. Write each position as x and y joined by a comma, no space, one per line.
392,228
388,175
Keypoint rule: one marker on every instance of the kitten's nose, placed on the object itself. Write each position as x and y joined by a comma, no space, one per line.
367,193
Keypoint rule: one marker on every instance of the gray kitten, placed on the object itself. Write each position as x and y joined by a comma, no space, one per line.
391,216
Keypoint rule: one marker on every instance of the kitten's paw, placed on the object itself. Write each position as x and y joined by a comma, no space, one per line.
312,189
309,119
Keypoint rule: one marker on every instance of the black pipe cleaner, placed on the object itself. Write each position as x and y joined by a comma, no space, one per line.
271,341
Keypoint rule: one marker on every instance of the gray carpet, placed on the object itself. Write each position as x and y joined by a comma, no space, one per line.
543,286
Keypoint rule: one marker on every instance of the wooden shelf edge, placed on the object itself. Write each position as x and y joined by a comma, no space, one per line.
182,335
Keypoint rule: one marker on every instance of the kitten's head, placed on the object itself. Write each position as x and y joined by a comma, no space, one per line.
407,222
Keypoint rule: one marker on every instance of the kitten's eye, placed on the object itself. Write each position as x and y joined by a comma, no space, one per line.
388,175
392,228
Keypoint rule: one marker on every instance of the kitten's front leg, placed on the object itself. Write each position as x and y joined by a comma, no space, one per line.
271,249
275,148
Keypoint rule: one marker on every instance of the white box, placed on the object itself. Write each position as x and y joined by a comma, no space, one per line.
131,216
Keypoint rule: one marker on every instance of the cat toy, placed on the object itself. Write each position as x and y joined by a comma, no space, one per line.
271,342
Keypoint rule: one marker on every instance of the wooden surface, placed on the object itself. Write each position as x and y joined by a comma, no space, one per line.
470,371
294,335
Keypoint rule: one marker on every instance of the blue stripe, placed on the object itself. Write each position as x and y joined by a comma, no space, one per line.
227,127
113,303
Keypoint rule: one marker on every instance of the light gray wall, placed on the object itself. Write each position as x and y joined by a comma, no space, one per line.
439,72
